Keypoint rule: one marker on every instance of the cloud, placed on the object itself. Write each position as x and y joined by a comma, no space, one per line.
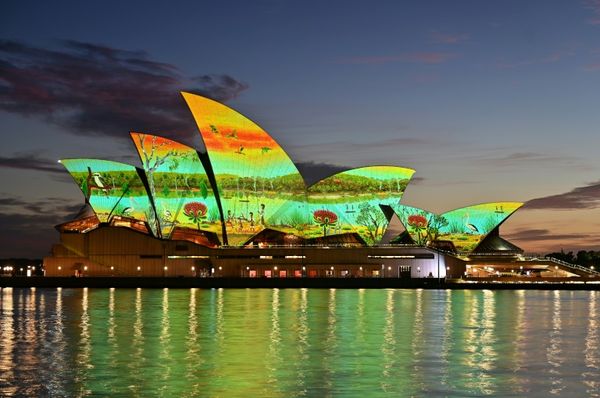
28,226
416,57
27,235
594,7
549,58
586,197
342,147
447,38
31,161
51,205
543,234
525,157
592,67
99,90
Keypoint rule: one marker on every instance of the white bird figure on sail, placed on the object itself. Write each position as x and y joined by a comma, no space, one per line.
470,227
99,182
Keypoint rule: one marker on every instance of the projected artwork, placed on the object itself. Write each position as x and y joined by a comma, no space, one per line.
348,202
183,196
260,189
259,185
112,189
465,227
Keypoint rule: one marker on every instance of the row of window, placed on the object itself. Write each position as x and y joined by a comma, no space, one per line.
311,273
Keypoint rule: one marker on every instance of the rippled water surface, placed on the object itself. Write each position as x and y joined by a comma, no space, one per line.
283,343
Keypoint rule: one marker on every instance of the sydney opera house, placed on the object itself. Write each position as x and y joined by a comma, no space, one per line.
242,209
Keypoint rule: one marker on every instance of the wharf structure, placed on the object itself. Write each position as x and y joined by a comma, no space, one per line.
242,209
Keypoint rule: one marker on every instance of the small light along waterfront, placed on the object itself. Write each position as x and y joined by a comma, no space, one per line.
298,342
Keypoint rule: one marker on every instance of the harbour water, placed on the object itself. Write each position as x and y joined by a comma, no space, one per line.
298,342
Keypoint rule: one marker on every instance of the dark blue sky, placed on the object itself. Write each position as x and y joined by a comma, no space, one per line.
486,100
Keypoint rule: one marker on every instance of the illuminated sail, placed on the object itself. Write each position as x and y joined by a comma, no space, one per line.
179,185
348,202
465,227
112,189
259,185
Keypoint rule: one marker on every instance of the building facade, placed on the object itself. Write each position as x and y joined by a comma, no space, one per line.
242,209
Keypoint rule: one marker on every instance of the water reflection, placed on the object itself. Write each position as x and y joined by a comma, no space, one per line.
418,340
273,353
219,335
446,339
7,333
554,350
192,358
591,377
137,363
330,342
388,344
480,344
165,342
303,342
286,342
519,335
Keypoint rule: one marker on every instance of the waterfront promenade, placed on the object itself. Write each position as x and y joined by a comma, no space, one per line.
315,283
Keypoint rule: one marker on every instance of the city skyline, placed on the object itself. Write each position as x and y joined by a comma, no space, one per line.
491,104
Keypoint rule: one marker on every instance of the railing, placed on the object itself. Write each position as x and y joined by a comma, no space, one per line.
324,245
572,266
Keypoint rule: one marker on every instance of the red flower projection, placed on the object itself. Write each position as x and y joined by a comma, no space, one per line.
195,211
419,224
417,221
325,217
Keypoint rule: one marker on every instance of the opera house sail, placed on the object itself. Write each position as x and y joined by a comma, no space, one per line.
349,202
179,186
259,185
465,227
245,192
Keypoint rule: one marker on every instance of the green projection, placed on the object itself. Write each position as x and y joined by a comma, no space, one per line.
465,227
178,183
259,185
112,189
260,188
348,202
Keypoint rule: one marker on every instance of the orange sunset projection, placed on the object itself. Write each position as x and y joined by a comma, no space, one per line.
261,187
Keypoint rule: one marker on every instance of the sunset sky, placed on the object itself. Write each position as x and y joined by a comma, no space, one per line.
487,101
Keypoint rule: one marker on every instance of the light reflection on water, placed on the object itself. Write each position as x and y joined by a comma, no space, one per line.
282,343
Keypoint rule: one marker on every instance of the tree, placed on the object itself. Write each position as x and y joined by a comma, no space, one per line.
325,218
435,224
152,162
373,219
420,226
